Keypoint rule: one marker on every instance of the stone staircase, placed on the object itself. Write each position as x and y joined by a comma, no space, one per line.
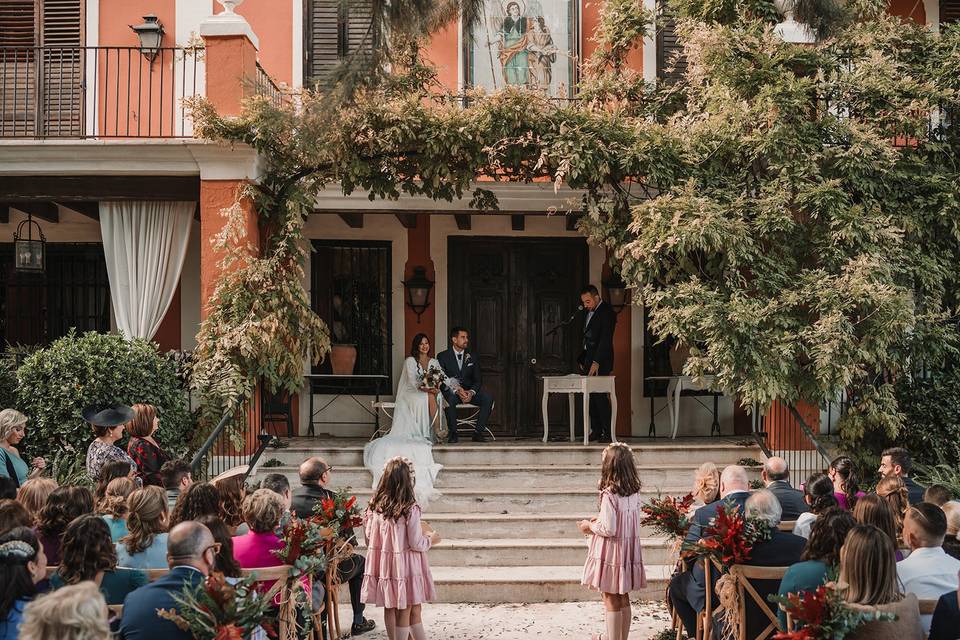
509,509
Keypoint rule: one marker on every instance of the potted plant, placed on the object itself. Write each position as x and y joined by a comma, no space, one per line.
343,351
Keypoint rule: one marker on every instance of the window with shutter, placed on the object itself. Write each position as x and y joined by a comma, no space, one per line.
335,29
671,65
949,12
41,67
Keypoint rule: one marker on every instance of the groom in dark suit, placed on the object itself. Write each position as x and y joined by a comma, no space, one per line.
596,359
458,363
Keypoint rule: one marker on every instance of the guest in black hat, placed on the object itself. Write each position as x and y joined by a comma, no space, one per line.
108,424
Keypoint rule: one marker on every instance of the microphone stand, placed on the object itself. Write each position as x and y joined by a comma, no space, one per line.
564,323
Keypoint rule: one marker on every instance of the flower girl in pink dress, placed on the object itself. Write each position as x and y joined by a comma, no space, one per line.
397,575
614,565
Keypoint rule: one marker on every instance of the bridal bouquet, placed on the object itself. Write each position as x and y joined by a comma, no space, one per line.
432,378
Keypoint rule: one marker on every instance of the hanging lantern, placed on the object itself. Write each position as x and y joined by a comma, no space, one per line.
418,291
617,293
29,249
150,33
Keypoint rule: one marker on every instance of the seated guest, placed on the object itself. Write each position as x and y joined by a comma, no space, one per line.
113,506
8,488
776,477
870,575
34,493
261,511
77,612
191,555
110,472
820,556
314,476
928,572
13,515
88,554
143,447
177,476
232,492
278,483
818,494
199,499
63,505
897,462
873,510
13,425
781,550
846,488
706,485
108,426
687,591
938,495
145,546
225,561
892,489
950,542
22,567
946,618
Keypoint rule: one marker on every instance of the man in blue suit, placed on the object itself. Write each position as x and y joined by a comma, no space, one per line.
191,554
688,588
458,363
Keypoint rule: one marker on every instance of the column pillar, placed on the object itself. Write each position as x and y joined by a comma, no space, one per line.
418,255
622,365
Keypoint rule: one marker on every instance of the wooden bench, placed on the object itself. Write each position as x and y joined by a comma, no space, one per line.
466,424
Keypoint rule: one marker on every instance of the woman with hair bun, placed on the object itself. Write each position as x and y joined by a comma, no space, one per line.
818,494
22,566
113,506
145,546
846,487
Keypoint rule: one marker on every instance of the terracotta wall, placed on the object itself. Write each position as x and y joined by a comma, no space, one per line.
909,9
621,363
168,335
273,23
418,255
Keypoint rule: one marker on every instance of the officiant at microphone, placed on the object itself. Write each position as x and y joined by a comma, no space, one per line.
463,385
596,359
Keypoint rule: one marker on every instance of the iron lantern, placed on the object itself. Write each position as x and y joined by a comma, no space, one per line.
29,250
418,291
150,34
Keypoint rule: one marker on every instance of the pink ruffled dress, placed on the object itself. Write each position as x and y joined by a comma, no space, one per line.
397,573
614,562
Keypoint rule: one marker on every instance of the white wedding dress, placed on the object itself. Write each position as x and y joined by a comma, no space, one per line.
411,434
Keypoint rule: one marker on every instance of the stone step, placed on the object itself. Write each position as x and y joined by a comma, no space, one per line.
666,478
514,552
512,526
521,453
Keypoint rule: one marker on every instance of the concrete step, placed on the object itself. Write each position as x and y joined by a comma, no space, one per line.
666,478
523,453
536,583
513,552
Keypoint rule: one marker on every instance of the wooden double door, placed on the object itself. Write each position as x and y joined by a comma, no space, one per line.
509,293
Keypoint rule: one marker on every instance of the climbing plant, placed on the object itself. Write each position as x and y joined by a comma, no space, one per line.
788,211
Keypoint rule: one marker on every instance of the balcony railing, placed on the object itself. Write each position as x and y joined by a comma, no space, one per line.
97,92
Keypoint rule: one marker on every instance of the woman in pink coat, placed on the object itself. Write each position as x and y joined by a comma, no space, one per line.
614,565
397,574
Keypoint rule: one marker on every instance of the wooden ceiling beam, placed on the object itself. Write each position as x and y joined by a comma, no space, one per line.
353,220
408,220
572,220
43,210
98,188
88,209
517,222
463,221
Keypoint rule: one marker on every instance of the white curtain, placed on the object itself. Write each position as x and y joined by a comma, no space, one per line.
145,244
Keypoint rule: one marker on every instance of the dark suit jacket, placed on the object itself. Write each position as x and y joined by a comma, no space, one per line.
946,618
598,339
140,620
697,590
469,376
782,550
914,491
790,499
308,495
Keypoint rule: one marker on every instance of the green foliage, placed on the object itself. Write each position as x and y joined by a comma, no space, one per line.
57,382
8,382
946,474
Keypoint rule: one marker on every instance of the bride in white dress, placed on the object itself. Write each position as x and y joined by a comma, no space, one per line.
415,412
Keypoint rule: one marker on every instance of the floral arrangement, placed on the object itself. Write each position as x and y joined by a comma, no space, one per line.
668,515
824,614
339,513
730,537
305,543
217,610
433,377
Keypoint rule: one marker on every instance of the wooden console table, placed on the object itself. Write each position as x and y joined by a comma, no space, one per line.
573,384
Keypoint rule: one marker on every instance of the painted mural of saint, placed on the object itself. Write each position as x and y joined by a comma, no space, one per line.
541,54
513,51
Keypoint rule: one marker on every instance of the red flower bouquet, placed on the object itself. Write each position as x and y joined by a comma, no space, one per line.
730,537
218,610
823,614
339,513
305,543
668,515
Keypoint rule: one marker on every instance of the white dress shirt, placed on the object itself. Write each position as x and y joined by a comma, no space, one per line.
929,573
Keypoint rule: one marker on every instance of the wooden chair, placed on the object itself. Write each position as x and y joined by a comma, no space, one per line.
742,574
116,610
331,583
787,525
927,607
156,574
704,629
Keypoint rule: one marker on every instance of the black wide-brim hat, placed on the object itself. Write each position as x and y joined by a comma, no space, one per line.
111,415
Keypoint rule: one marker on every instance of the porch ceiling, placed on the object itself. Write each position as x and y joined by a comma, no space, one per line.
514,198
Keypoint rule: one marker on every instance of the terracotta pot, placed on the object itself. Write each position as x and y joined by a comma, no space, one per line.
678,357
343,358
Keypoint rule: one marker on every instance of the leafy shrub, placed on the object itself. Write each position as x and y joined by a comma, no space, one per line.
8,382
57,382
945,474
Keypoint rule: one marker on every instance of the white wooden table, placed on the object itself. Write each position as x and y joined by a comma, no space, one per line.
675,387
573,384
